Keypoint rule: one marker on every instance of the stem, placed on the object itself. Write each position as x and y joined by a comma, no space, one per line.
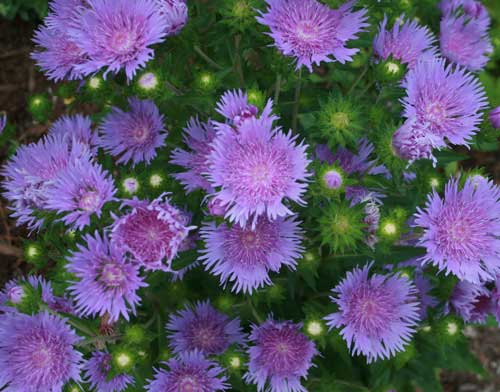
297,100
363,73
254,312
237,62
198,50
277,89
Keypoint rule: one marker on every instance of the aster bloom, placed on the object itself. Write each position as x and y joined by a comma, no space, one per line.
234,106
198,137
257,168
245,256
460,231
280,356
472,8
408,42
151,232
3,122
495,118
108,282
58,56
37,353
175,13
203,328
80,192
312,32
117,34
77,127
62,13
377,314
134,135
465,42
472,302
30,173
96,373
14,292
189,371
442,103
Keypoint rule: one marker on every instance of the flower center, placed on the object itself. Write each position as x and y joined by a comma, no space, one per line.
306,31
339,120
112,275
124,41
188,384
89,201
435,113
140,133
42,358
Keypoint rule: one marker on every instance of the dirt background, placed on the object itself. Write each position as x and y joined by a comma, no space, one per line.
19,79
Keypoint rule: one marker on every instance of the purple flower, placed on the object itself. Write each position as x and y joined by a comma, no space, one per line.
245,256
465,42
152,232
257,168
495,117
189,371
441,103
312,32
58,55
460,232
134,135
234,106
3,122
80,192
377,314
77,127
472,8
108,282
96,373
175,13
117,34
63,12
280,357
198,137
472,302
204,329
30,173
15,291
37,353
408,42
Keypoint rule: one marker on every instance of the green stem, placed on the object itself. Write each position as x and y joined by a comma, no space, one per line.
254,312
198,50
277,89
75,324
363,73
297,100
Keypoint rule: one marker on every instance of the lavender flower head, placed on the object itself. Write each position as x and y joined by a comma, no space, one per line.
30,173
234,106
442,104
189,371
135,135
377,314
198,137
96,373
175,12
472,8
37,353
280,357
117,34
311,32
77,127
460,230
3,122
151,232
412,141
58,56
246,256
203,328
472,302
257,168
408,42
15,290
80,192
465,42
108,282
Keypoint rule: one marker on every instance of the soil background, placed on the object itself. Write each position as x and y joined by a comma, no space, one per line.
19,79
